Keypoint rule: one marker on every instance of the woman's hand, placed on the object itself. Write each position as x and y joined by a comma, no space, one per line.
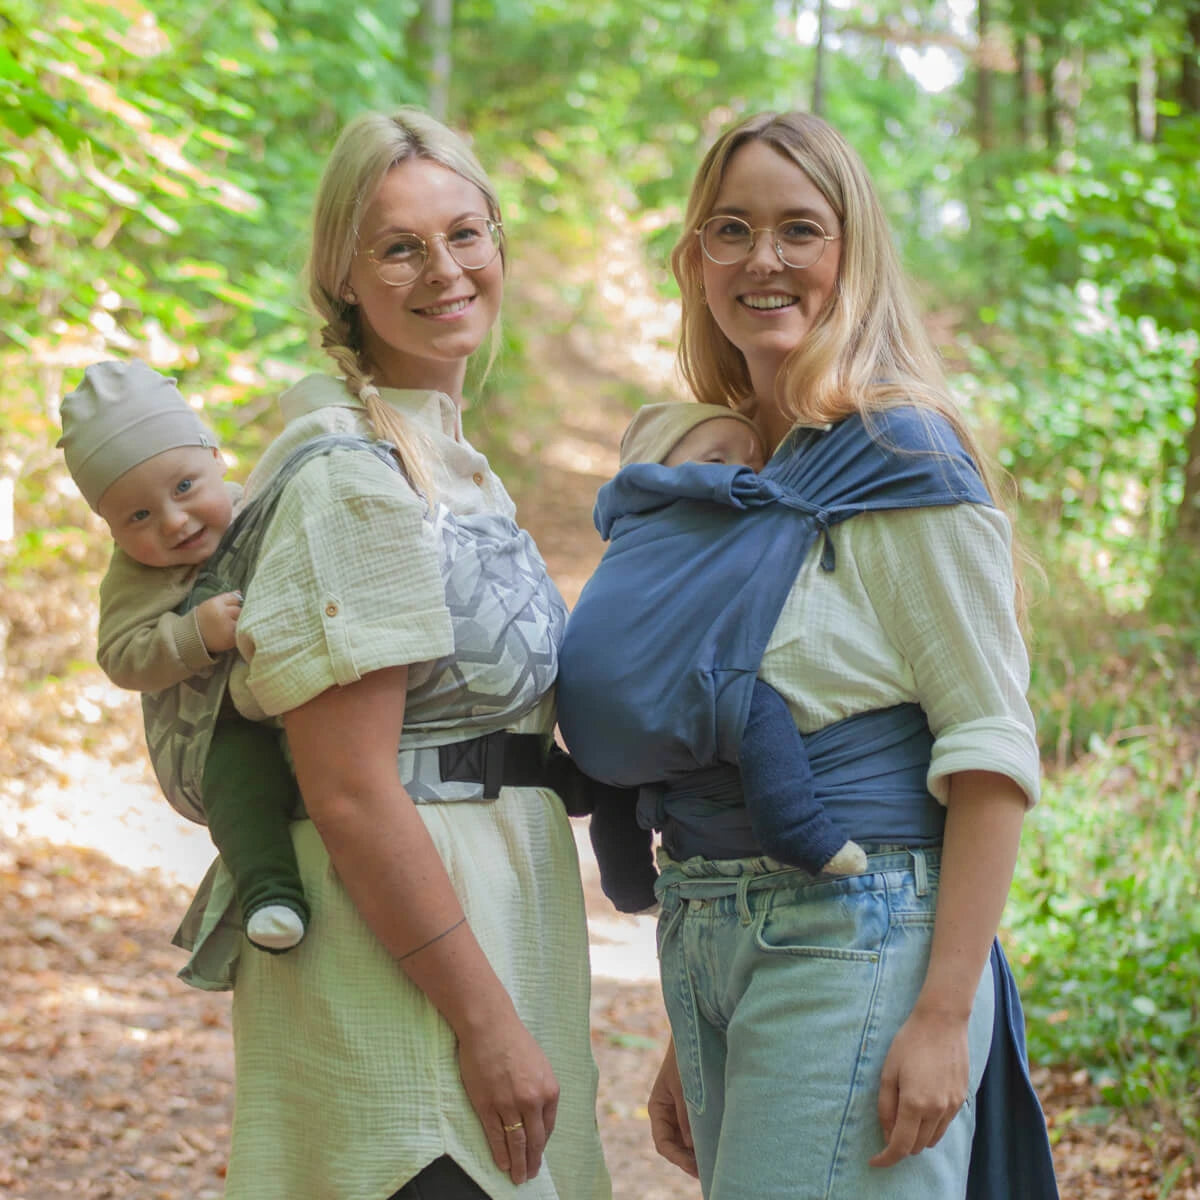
669,1124
926,1075
925,1079
512,1088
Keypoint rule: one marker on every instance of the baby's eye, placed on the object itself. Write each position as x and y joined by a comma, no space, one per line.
184,485
141,515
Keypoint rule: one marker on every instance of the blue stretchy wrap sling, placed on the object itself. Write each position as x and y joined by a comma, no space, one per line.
663,647
665,643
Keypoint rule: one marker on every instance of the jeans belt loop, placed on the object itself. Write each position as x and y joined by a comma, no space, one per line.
743,900
920,870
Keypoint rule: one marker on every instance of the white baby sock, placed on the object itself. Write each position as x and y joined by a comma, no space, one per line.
275,927
849,860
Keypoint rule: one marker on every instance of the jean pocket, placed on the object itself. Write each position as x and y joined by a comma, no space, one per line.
838,926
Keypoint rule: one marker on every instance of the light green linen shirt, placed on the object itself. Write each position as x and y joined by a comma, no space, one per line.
918,610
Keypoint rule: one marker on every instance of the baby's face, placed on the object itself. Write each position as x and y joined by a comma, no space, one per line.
721,440
170,510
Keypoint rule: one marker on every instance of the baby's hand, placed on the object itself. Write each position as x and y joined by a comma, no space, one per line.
217,619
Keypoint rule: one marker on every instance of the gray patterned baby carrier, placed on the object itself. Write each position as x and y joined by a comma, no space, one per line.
180,719
507,617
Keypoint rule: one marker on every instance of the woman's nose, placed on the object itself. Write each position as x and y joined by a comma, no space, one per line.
763,256
442,264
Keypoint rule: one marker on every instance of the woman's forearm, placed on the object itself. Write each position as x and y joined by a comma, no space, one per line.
344,744
925,1076
985,811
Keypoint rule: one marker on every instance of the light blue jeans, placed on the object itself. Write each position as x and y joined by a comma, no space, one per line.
784,991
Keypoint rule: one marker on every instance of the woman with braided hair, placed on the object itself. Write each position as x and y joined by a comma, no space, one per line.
430,1036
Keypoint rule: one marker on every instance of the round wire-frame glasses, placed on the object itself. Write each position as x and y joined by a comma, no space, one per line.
400,258
798,242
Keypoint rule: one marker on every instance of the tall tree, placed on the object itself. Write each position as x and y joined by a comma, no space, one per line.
984,132
1186,538
818,90
441,19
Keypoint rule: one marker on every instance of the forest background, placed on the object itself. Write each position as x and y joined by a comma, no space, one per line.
1038,159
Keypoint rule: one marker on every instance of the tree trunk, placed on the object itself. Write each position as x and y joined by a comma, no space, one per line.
441,17
1026,90
1048,71
1142,93
1189,75
1068,90
818,92
984,133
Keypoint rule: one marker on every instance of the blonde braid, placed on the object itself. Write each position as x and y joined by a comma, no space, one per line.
412,449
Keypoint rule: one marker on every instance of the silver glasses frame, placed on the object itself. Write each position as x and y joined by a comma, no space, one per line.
494,228
773,230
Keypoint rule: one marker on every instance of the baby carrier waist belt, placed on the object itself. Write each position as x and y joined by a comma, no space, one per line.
500,759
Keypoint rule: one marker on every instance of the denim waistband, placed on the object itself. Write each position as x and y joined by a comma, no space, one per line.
697,878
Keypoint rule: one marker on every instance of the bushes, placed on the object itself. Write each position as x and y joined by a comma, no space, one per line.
1106,920
1092,408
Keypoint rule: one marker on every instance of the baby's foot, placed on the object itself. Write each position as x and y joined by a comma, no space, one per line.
849,860
275,927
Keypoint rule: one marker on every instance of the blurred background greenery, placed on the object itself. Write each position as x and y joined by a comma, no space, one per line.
1039,162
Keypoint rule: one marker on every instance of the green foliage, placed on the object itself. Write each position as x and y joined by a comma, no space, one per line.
1092,362
1127,218
1107,925
1096,677
1093,407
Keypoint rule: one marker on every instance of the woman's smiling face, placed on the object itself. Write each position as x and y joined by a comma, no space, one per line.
764,307
419,335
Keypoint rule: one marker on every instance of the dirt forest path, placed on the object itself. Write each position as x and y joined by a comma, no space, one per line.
115,1079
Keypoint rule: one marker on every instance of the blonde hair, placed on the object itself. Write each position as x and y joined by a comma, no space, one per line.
868,348
367,148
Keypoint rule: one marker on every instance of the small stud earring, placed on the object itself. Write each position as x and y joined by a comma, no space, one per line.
350,296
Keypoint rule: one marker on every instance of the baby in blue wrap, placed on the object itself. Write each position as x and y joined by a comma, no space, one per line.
788,821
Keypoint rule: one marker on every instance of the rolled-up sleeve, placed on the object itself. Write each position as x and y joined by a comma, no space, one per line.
348,582
941,582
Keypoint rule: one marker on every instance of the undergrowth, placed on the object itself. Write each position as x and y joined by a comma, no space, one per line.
1105,907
